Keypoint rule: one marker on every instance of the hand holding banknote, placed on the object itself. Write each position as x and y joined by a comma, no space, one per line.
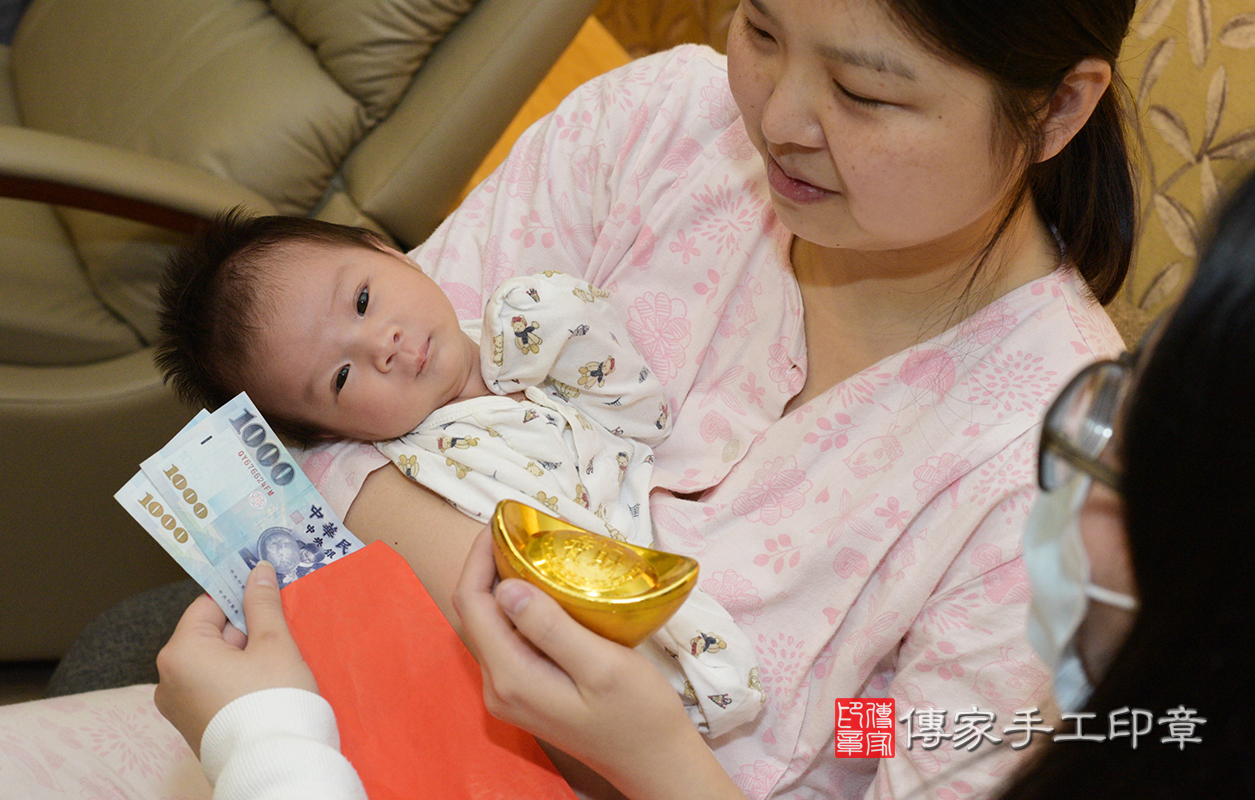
208,662
223,494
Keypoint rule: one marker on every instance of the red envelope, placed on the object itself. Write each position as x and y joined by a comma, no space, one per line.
408,695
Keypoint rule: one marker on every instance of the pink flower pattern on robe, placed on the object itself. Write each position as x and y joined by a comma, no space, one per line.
661,332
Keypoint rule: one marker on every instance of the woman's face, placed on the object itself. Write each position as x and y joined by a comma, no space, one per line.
871,142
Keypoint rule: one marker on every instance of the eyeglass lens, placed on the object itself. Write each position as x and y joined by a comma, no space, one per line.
1084,416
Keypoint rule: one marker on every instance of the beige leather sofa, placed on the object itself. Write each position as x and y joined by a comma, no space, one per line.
370,112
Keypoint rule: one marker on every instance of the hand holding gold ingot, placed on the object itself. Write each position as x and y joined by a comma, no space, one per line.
618,590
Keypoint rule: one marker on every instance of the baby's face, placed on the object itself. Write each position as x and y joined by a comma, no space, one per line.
360,343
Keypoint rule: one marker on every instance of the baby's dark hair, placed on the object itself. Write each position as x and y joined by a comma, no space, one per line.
212,305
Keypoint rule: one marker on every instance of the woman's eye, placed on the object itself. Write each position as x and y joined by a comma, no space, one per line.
363,299
858,98
756,31
341,377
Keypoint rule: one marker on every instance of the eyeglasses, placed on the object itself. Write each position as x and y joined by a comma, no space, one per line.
1080,423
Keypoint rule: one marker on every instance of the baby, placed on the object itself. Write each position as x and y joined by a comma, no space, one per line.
335,335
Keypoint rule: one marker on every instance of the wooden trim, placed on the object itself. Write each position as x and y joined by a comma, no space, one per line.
60,194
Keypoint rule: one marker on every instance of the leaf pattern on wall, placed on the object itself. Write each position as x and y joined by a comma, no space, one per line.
1239,32
1173,130
1156,63
1198,127
1198,30
1216,93
1179,223
1239,146
1208,185
1165,285
1154,12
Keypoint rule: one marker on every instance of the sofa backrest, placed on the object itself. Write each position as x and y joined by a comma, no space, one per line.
273,96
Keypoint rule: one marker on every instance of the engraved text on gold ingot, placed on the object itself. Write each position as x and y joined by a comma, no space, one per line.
618,590
591,564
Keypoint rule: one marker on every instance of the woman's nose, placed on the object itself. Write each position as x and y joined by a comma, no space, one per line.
789,115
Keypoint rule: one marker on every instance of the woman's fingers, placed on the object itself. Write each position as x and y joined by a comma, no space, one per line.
490,613
203,617
208,663
234,637
546,673
196,641
579,652
487,630
518,679
539,664
478,571
263,608
273,657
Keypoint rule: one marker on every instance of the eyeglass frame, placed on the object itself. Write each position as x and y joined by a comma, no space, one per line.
1053,442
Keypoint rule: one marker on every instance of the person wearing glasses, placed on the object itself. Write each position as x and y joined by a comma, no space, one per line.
1082,605
1139,547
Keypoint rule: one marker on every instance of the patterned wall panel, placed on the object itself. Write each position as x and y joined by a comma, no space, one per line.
1190,65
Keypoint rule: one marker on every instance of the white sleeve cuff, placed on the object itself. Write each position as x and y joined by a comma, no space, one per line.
277,743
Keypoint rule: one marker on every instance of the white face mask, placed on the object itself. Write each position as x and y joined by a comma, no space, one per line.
1058,570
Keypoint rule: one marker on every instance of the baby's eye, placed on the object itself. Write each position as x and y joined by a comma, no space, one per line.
363,299
341,377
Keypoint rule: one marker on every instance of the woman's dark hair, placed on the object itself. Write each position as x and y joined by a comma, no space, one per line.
1085,193
1188,452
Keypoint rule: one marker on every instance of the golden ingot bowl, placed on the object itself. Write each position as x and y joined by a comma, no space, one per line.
615,589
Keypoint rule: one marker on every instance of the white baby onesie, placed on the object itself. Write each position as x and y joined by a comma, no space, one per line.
578,447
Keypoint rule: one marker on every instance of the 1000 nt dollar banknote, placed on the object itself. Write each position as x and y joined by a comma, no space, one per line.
228,481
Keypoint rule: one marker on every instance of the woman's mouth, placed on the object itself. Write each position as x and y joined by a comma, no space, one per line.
791,188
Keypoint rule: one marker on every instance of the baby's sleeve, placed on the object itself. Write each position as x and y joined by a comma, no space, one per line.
559,333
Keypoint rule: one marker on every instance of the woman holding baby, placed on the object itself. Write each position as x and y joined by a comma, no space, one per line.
862,254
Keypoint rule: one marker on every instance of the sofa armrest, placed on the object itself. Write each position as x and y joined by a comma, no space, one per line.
71,550
63,171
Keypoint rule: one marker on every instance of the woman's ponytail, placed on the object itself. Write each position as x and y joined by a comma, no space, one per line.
1086,194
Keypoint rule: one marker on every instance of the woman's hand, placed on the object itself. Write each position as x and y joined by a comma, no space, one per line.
601,702
208,663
